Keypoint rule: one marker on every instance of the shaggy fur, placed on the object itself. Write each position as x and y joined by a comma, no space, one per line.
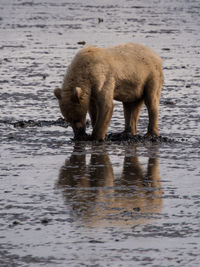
130,73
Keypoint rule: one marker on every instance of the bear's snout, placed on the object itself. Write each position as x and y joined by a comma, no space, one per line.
79,125
79,130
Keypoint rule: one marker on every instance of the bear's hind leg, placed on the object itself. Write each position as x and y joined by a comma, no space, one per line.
152,100
153,118
127,116
131,115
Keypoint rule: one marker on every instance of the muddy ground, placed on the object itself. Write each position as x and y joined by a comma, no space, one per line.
88,204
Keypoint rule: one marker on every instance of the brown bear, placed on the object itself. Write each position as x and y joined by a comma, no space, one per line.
130,73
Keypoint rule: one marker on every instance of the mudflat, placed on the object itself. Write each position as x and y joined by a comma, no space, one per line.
130,201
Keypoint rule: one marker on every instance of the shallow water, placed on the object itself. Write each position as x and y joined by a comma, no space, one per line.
87,204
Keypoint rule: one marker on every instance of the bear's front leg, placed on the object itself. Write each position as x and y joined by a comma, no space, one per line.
103,118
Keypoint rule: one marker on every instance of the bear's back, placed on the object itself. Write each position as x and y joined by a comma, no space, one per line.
131,51
135,52
121,62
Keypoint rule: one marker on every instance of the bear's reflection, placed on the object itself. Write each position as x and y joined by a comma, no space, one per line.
96,197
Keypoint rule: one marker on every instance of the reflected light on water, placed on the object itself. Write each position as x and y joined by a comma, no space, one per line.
96,197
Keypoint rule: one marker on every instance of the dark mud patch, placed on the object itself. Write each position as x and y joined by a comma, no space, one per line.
119,137
39,123
128,138
133,139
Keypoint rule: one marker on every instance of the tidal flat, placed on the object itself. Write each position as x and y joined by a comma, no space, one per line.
66,203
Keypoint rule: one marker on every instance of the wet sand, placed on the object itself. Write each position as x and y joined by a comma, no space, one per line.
66,203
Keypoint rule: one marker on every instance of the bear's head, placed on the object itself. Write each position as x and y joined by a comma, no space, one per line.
74,110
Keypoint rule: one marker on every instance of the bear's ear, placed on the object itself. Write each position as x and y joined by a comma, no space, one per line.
77,94
57,93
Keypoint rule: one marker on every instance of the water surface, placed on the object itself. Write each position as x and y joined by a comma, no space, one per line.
86,204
